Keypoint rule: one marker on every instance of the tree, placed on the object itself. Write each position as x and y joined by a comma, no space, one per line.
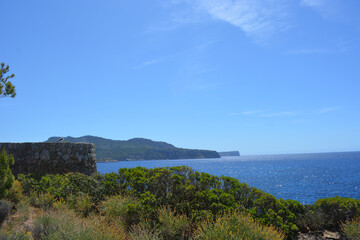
6,87
6,176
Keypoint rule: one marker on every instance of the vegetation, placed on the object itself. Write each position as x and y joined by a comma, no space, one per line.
138,149
236,226
351,229
6,177
163,203
6,87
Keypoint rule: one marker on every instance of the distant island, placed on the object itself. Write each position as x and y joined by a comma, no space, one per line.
108,150
230,154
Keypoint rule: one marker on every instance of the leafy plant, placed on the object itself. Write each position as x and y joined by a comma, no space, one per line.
351,229
127,209
15,193
173,225
236,226
6,177
5,208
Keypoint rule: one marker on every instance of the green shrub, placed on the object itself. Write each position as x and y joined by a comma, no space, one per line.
172,225
127,209
14,236
44,225
43,200
351,229
236,226
337,210
5,208
15,193
83,204
6,177
65,224
23,209
143,232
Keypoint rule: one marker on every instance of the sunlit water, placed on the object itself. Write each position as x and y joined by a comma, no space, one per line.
302,177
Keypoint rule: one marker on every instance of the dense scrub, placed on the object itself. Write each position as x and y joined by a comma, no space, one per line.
179,203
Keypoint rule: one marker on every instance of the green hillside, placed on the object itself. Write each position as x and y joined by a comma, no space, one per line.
137,149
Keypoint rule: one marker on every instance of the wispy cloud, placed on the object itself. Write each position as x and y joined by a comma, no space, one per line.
261,113
326,8
205,45
328,109
148,63
256,18
251,112
313,3
339,46
280,114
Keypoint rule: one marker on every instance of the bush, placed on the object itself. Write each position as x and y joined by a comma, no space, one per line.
336,211
83,204
351,229
143,232
127,209
42,200
5,208
14,236
15,194
235,225
65,224
6,177
44,225
172,225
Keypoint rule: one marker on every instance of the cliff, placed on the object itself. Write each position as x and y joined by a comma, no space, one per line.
230,154
108,150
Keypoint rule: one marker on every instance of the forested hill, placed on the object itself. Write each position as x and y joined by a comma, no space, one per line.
137,149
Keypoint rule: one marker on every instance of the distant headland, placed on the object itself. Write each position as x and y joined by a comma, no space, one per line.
230,154
108,150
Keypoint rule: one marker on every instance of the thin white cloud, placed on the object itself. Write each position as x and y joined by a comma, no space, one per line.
339,46
261,113
150,62
327,8
328,109
280,114
205,45
251,112
256,18
309,51
313,3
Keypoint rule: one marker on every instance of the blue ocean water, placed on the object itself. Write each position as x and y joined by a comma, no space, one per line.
302,177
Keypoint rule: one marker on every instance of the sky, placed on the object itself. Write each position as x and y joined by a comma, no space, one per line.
257,76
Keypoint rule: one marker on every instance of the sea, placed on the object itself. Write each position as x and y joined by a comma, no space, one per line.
302,177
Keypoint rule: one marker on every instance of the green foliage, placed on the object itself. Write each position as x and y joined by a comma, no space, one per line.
236,226
83,204
127,209
200,196
14,236
351,229
172,225
5,208
138,149
193,193
15,193
44,225
6,87
143,232
68,185
6,177
337,210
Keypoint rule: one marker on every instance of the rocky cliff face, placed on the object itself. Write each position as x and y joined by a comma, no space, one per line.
52,157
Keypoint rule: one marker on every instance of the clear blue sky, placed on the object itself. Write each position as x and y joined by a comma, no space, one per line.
258,76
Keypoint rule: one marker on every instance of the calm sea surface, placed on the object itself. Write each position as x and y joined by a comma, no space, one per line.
302,177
